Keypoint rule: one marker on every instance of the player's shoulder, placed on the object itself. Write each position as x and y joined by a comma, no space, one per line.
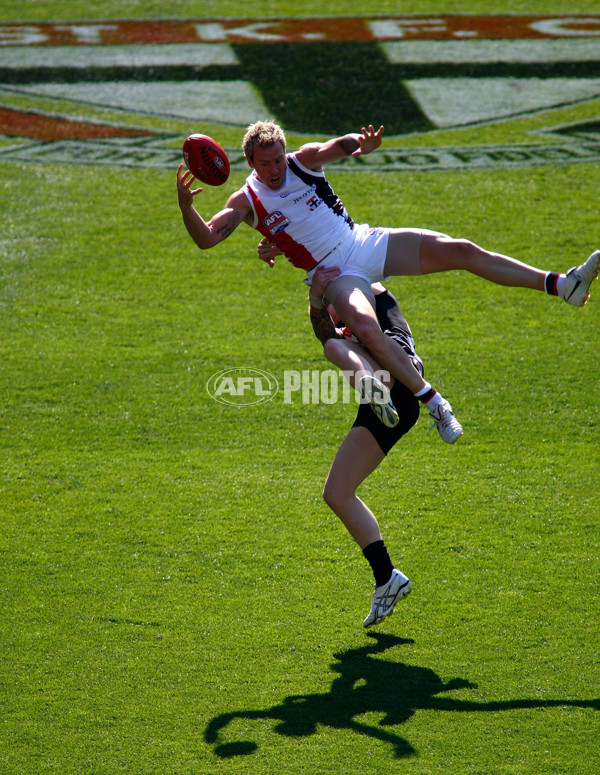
239,200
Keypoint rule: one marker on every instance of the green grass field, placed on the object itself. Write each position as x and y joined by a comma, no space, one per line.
176,597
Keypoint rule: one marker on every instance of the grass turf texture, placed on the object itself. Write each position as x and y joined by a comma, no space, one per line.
176,597
16,10
167,559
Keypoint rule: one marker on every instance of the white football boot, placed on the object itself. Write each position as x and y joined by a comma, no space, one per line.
579,279
386,597
378,396
448,426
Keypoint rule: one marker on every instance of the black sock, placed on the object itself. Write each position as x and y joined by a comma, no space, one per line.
550,283
379,560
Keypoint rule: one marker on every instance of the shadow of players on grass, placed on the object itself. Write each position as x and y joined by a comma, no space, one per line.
368,685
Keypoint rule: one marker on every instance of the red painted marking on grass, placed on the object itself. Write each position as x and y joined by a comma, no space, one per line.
18,123
425,27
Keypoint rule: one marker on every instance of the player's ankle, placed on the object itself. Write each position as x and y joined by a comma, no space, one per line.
428,396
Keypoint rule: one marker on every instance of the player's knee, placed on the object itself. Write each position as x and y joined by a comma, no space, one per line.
332,495
328,494
369,333
466,253
325,494
333,348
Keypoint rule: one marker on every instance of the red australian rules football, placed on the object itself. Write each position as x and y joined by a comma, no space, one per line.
206,160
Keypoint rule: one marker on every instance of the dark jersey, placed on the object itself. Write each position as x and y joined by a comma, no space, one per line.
393,324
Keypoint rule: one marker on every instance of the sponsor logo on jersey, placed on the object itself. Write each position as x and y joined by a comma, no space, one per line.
314,202
276,222
304,194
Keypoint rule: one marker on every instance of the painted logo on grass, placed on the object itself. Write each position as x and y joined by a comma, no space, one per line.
242,386
125,93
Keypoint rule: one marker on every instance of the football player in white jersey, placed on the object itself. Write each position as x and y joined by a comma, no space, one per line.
312,228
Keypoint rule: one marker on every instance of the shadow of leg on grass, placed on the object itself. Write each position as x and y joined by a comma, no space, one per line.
366,684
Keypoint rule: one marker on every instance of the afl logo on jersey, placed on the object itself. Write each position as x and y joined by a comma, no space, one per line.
276,222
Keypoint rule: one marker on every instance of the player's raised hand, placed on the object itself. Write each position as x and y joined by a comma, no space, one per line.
185,193
369,140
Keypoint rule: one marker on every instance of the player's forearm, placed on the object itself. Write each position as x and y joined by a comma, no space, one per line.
349,143
197,228
322,324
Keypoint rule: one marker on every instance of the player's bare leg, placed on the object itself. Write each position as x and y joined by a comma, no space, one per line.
440,253
355,310
352,359
357,458
364,374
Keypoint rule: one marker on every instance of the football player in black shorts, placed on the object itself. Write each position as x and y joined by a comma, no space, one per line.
369,440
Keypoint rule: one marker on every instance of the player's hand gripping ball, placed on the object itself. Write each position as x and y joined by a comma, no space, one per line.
206,160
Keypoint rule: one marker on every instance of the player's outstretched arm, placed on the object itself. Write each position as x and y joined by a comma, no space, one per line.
208,234
315,155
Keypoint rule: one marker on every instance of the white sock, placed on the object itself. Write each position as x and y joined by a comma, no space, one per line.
560,284
434,399
425,389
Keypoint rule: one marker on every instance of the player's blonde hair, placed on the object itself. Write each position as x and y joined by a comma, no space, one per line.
263,134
